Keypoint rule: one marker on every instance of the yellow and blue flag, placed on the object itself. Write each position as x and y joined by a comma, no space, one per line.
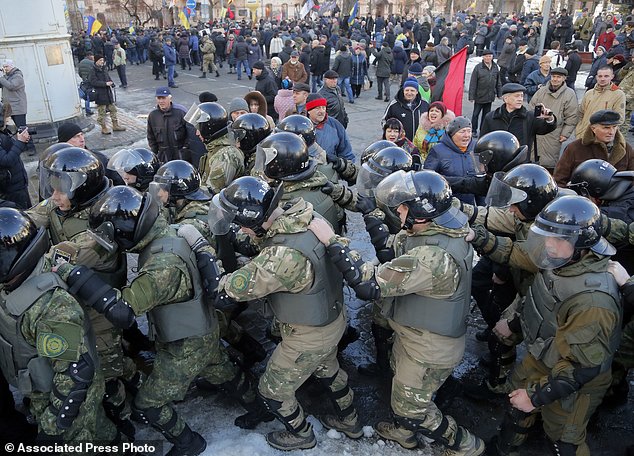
184,21
353,12
93,25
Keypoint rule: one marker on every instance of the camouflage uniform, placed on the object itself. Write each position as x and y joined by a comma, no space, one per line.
72,244
305,349
208,49
422,359
588,329
55,326
223,163
626,74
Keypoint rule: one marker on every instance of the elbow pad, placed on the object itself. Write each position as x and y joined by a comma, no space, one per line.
367,290
81,373
379,235
555,389
94,292
210,272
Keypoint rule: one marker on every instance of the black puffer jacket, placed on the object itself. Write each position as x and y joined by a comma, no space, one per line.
485,83
267,86
10,150
409,115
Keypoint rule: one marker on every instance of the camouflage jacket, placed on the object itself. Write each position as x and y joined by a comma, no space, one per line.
223,163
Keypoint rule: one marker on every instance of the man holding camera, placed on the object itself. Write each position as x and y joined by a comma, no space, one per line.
513,117
14,94
13,178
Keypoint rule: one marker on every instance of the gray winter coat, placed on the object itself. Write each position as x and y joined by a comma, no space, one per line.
506,56
384,59
13,91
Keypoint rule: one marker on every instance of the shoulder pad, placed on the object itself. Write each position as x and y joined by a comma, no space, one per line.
404,263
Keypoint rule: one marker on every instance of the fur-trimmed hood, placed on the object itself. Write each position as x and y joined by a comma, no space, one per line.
440,124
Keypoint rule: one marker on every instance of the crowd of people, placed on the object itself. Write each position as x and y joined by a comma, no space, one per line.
230,206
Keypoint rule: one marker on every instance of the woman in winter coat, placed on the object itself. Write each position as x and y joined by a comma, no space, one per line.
276,70
284,99
600,60
231,56
255,52
257,104
182,47
453,155
505,59
276,45
394,131
432,127
400,59
359,70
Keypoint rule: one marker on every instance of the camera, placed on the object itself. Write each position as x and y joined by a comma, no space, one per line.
32,130
538,110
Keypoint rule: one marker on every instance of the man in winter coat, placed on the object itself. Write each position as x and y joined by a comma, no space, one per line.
384,59
407,107
331,92
167,129
343,67
267,86
14,94
169,54
562,101
604,95
583,26
573,64
485,85
102,83
319,64
517,65
241,54
601,139
513,117
294,69
536,79
530,64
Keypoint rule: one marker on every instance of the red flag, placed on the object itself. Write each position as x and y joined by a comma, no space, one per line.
450,77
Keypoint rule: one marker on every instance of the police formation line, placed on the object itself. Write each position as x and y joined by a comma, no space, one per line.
265,220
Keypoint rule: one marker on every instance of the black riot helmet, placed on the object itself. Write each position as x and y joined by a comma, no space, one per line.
528,186
212,121
564,227
77,173
300,125
426,194
139,162
374,148
130,212
500,151
54,148
380,165
180,180
22,245
249,129
600,179
247,201
284,156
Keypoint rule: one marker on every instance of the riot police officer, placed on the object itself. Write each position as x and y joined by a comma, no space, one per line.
48,346
248,130
136,167
429,276
570,320
223,162
305,294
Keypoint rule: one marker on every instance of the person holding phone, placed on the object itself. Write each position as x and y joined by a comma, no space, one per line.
513,117
13,178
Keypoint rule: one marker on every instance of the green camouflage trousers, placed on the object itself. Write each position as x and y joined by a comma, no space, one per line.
208,62
90,425
625,353
565,419
175,366
304,351
417,377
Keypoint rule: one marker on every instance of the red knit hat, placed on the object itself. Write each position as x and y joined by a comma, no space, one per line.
316,102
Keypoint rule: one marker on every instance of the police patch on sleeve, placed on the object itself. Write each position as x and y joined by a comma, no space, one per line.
240,281
51,345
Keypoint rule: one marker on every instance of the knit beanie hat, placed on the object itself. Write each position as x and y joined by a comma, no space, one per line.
410,82
67,130
456,125
440,106
238,104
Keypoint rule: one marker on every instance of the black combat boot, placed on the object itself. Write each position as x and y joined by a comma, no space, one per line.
188,443
382,343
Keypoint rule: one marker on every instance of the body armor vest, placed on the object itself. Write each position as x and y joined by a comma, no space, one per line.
179,320
20,362
548,295
322,303
444,316
64,229
522,279
322,203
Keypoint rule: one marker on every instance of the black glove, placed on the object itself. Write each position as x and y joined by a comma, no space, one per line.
328,188
338,163
365,204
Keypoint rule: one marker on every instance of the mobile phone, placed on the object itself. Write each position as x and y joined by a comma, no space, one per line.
538,110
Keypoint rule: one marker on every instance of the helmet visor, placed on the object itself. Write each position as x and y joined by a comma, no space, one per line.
550,246
370,175
501,194
123,162
396,189
160,190
195,116
219,218
62,181
263,156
